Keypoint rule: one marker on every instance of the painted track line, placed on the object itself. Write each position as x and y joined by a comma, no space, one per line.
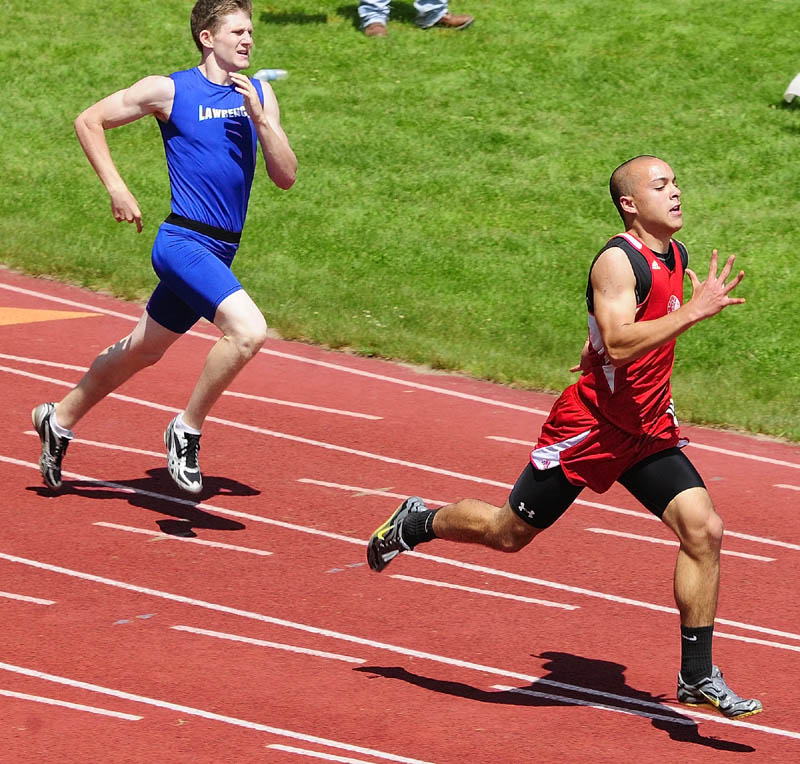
259,398
692,443
560,699
272,433
317,754
189,710
108,446
362,491
678,709
24,598
42,362
754,641
670,542
265,643
320,631
306,406
73,706
372,455
433,558
379,377
487,592
157,535
298,358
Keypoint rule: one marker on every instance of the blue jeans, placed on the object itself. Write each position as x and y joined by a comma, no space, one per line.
428,11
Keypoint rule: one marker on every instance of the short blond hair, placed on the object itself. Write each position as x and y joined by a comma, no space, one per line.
207,14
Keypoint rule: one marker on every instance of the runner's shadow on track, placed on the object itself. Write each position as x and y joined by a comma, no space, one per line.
181,517
575,681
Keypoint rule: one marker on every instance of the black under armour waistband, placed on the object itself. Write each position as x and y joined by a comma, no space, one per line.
205,229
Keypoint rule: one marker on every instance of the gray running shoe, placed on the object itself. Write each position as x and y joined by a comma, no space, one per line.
182,449
387,542
53,446
714,691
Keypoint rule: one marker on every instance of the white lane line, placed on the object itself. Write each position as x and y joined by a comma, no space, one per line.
668,542
348,638
202,542
270,433
744,455
488,592
65,301
317,754
73,706
682,710
108,446
265,643
307,406
563,700
42,362
299,358
24,598
787,487
378,457
692,443
432,558
189,710
754,641
369,375
361,491
260,398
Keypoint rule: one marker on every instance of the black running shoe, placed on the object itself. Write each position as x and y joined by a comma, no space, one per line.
714,691
387,542
182,449
53,446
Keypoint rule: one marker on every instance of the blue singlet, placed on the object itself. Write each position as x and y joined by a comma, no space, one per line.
210,145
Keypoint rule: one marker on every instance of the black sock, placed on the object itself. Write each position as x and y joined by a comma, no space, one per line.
696,653
418,527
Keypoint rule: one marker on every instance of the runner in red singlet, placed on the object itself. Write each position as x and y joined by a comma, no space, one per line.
617,424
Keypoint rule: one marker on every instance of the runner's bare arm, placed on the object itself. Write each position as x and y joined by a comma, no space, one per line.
151,95
626,339
278,155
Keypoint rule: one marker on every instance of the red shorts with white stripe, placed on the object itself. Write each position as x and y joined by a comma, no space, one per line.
593,452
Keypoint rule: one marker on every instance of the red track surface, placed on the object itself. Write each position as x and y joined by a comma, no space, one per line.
410,671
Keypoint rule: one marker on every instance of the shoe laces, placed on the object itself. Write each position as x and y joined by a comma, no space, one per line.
190,450
60,449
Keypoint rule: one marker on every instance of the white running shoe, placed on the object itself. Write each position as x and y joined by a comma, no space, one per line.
182,450
53,446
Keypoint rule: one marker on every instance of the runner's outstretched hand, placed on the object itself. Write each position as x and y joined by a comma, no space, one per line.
709,297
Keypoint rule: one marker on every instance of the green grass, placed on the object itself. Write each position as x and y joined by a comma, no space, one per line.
452,185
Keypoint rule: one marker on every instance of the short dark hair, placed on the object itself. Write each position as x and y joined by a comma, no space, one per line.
207,14
620,181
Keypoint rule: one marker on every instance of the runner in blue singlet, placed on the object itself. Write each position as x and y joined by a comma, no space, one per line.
212,120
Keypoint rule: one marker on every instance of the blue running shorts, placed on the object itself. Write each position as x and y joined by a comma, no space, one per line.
195,274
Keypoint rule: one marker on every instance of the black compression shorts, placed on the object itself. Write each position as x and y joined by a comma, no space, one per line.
540,497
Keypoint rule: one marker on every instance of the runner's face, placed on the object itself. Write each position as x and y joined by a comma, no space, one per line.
233,41
657,197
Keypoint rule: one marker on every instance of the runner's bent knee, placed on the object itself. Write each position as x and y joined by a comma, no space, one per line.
511,533
241,322
694,521
249,338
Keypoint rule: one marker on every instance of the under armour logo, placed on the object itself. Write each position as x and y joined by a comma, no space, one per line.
525,510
